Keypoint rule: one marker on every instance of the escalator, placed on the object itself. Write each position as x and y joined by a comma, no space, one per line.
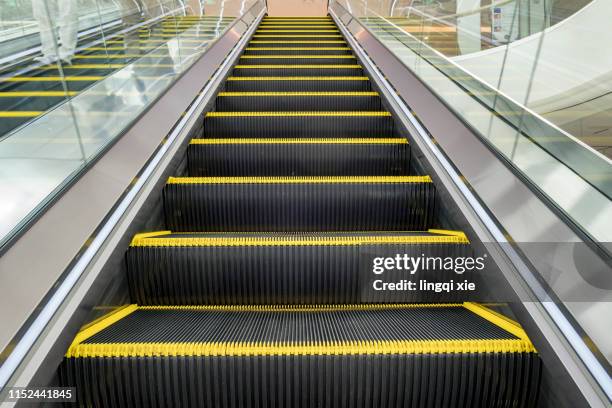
28,89
252,296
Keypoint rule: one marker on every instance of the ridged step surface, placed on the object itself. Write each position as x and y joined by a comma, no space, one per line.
457,355
298,157
299,203
298,84
188,269
282,124
298,101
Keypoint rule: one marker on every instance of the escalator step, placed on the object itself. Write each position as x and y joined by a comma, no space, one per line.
189,269
297,84
299,203
279,124
446,355
297,59
298,157
298,70
259,50
299,101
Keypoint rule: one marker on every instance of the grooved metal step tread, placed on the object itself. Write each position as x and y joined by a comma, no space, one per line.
300,330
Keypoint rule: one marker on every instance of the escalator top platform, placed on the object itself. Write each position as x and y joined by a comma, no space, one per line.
239,330
168,238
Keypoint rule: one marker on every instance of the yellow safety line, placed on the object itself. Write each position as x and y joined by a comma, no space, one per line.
298,42
90,330
36,93
300,78
281,24
52,79
428,346
118,56
297,94
293,56
20,114
295,31
296,114
297,66
299,141
298,49
298,36
499,320
108,66
162,240
129,47
300,180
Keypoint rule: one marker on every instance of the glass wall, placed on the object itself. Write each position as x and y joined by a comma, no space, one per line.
77,73
552,87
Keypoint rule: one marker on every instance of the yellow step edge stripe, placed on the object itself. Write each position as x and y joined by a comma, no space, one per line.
107,66
293,56
20,114
284,24
298,36
369,93
298,42
297,66
298,49
299,141
300,78
133,48
296,114
365,347
162,240
300,180
295,31
52,79
496,318
36,94
102,324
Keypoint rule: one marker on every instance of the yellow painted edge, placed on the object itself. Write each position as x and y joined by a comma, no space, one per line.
301,308
300,78
12,94
153,234
445,346
299,180
299,141
297,49
90,330
20,114
288,241
297,66
52,79
499,320
342,56
299,36
460,234
306,93
297,114
298,42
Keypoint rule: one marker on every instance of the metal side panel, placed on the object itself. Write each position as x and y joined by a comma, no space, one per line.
86,223
507,201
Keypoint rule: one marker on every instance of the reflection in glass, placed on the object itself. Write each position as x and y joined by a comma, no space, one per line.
77,74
